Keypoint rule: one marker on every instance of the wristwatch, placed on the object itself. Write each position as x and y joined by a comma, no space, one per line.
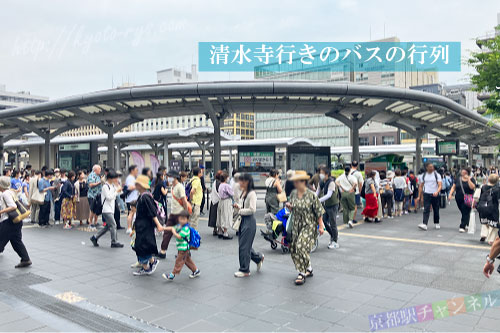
489,260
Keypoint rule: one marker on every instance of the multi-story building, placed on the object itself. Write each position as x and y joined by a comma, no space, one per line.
237,124
173,75
242,124
328,131
10,99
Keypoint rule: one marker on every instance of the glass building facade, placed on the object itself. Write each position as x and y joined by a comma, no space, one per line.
327,131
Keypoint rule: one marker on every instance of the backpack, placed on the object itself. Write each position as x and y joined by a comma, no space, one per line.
194,238
160,212
189,187
486,206
362,193
125,192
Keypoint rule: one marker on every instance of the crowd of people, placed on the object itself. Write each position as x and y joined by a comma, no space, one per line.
313,203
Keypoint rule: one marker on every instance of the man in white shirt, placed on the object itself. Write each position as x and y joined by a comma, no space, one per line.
429,189
347,184
359,178
108,197
10,231
132,194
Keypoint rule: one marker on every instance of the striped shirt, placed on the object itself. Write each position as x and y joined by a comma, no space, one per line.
185,233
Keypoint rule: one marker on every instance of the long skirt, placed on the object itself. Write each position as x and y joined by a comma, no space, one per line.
82,209
371,208
68,209
212,215
224,213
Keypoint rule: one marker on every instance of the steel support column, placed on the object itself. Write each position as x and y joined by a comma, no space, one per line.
2,158
418,152
355,140
165,153
203,153
230,169
190,161
111,149
16,151
118,156
470,155
217,156
47,151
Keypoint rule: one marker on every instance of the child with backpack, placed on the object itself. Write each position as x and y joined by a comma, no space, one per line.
187,238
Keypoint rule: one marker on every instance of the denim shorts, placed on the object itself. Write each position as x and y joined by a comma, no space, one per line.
358,199
144,260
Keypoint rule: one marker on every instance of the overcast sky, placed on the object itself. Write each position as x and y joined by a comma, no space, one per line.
60,48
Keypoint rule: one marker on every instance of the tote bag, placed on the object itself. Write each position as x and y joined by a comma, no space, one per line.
38,197
472,223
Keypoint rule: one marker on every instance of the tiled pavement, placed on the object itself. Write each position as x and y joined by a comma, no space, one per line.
375,270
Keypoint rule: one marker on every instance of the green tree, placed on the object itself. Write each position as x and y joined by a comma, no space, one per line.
487,78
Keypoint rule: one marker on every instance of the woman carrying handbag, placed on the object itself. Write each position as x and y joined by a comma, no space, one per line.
464,187
247,227
10,231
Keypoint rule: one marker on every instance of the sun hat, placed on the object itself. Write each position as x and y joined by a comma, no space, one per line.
300,175
143,181
4,182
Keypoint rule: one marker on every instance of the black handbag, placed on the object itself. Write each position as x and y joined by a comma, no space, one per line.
97,205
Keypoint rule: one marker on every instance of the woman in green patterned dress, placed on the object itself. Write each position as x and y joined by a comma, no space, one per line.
307,214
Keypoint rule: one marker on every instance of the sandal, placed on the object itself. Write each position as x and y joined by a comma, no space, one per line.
309,273
300,280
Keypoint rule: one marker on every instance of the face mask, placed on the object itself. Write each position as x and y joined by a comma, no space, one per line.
321,176
170,180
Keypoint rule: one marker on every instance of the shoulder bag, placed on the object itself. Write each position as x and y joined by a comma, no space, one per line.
189,206
20,213
37,197
468,198
235,224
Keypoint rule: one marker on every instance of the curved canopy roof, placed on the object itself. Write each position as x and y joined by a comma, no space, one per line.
171,135
410,110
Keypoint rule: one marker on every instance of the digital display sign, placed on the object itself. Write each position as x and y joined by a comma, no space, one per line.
449,147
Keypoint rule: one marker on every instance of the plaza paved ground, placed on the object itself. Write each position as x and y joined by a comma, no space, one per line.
73,286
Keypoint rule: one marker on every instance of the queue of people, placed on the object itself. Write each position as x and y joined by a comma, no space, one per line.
314,202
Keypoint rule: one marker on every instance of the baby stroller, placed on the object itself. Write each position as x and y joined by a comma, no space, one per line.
276,227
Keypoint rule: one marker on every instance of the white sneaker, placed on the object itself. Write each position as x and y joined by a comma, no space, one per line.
333,245
239,274
422,226
461,230
350,224
406,212
437,226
